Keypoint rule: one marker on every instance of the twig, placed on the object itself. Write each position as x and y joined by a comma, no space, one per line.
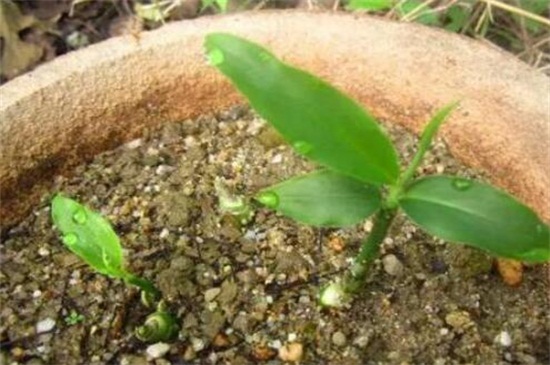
518,11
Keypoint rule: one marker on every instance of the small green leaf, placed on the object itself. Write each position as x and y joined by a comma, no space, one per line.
421,12
458,16
88,235
479,215
91,237
426,139
323,198
371,5
319,121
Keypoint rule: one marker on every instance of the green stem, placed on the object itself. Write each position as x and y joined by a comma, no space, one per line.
369,250
143,284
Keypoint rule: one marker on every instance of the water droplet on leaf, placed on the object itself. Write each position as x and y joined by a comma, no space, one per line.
269,199
303,147
70,239
106,258
215,57
80,216
462,184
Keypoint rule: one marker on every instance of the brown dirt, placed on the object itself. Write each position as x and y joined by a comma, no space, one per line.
242,293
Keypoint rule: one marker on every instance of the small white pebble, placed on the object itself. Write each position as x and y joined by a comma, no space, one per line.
367,227
163,169
197,344
157,350
392,265
42,251
278,158
388,241
211,294
132,145
504,339
292,337
45,325
164,233
277,344
292,352
37,294
152,151
444,331
189,141
269,299
339,339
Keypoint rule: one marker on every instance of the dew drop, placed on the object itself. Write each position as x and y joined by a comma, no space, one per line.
215,57
80,216
70,239
105,257
462,184
302,147
269,199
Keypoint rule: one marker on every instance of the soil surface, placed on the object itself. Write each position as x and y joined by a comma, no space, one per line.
247,294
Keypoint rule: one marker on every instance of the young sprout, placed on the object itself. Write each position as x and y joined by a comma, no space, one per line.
235,205
159,326
90,236
73,318
362,175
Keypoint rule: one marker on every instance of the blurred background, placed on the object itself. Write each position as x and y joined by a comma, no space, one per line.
36,31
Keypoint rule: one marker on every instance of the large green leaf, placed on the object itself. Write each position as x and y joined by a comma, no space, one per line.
319,121
89,236
323,198
479,215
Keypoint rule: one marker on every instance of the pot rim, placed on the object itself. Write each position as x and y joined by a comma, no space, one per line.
94,99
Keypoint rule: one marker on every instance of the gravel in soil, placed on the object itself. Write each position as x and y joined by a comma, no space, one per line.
247,294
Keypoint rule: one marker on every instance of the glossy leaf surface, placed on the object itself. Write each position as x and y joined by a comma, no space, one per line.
89,236
319,121
479,215
323,198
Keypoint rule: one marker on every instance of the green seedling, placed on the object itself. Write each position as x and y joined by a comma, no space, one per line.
91,237
234,205
73,318
159,326
361,173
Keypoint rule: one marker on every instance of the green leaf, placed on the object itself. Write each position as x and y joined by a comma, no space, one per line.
428,134
479,215
91,237
458,17
323,198
88,235
319,121
372,5
422,13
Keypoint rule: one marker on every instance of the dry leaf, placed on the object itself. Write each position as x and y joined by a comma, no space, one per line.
17,56
511,271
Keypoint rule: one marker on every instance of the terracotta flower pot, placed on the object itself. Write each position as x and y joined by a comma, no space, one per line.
88,101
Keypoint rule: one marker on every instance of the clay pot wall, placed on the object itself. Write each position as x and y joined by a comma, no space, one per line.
97,98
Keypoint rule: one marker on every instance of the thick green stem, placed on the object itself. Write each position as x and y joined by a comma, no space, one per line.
369,250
